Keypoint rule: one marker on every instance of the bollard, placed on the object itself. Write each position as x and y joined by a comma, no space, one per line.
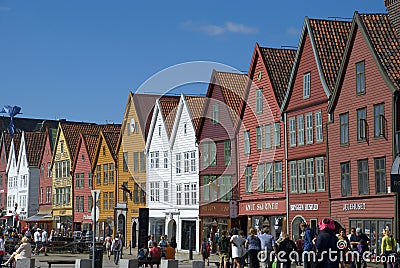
128,263
198,264
83,263
130,247
169,263
25,263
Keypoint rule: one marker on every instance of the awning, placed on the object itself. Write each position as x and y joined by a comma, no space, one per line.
5,217
40,217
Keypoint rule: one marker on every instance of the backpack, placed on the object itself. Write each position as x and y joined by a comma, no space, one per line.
223,244
117,245
205,247
141,254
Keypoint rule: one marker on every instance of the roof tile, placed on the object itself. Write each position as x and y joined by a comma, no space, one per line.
34,142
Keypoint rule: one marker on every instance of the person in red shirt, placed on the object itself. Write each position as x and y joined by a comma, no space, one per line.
155,252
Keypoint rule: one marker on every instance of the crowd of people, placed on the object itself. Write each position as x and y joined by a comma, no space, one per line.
154,251
329,248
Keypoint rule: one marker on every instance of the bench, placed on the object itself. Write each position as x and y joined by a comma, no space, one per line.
150,262
50,262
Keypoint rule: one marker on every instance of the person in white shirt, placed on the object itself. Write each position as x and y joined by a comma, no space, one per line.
37,238
44,242
24,251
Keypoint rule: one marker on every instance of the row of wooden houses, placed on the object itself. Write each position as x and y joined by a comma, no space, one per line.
305,134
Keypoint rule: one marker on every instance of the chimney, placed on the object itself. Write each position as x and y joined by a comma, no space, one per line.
393,8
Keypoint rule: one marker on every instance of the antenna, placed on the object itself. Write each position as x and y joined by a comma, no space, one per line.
339,18
288,47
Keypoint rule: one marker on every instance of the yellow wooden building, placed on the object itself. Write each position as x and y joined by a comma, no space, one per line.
104,168
132,164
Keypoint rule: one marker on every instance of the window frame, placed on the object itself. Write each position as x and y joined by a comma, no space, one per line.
293,177
344,128
380,174
292,131
345,178
360,78
309,128
361,124
363,177
248,180
319,135
246,140
307,85
259,100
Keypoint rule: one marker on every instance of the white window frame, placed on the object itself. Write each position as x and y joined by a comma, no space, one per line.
318,126
179,194
320,171
156,159
193,161
310,175
306,85
193,193
277,134
309,128
268,138
292,131
247,148
165,159
259,101
178,164
187,193
259,139
293,177
301,173
260,178
166,191
186,162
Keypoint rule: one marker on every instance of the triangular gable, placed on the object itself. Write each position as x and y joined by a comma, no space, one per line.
34,143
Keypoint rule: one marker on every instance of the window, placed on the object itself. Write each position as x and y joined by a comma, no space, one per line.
268,136
48,195
125,161
248,179
193,193
143,193
360,76
166,159
157,191
193,161
104,150
209,154
344,128
310,175
142,162
80,180
379,120
79,203
277,134
206,188
259,138
136,193
151,159
278,176
186,162
105,172
57,170
306,86
215,114
166,191
269,177
361,124
185,129
111,200
178,194
380,175
319,161
62,147
292,131
49,170
260,177
293,177
247,142
111,173
345,175
187,193
136,162
124,194
363,187
41,195
178,163
152,191
227,152
301,172
318,126
105,201
90,203
156,159
68,195
225,188
159,130
90,181
98,174
259,101
309,128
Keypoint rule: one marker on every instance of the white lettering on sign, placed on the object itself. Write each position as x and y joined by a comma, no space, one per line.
354,206
301,207
261,206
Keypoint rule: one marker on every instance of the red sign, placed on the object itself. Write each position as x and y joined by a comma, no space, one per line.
265,207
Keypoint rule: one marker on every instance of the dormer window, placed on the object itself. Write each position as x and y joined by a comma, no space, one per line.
62,147
360,76
159,130
215,114
306,85
185,129
259,101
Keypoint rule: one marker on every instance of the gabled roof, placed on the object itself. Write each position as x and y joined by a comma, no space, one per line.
279,65
17,143
90,141
34,143
144,104
328,39
384,45
111,138
168,109
195,105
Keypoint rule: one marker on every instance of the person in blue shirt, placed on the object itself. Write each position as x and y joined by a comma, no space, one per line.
253,244
309,247
267,246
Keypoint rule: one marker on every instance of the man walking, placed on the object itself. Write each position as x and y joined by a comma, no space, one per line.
122,240
267,247
309,248
44,242
37,238
223,246
116,247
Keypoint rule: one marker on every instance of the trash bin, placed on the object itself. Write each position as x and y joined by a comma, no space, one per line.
98,256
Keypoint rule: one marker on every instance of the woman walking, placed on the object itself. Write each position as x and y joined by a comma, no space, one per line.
237,248
253,245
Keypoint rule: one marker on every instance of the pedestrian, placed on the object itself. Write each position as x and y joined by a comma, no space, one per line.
344,246
309,248
205,250
359,243
388,247
44,242
155,253
267,246
24,251
169,252
299,245
150,241
107,243
253,245
143,252
163,245
223,246
2,248
122,239
285,248
37,238
116,247
237,248
327,244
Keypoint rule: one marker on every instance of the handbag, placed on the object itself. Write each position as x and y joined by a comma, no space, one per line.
274,264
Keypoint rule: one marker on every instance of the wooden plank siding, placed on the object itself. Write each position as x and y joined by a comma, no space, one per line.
376,92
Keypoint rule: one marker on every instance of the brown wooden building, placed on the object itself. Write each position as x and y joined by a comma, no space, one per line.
321,48
364,109
261,154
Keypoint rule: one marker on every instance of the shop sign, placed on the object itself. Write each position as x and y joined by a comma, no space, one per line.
233,209
354,206
262,206
302,207
87,217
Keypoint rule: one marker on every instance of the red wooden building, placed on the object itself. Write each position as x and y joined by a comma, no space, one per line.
364,109
5,144
218,180
320,51
261,154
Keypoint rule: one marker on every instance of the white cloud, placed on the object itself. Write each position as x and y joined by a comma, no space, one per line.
293,31
213,30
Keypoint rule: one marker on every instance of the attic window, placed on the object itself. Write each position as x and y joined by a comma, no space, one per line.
104,150
185,128
62,147
83,158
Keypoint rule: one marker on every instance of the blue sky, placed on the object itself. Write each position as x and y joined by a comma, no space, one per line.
79,59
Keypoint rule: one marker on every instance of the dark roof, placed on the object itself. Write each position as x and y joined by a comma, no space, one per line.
90,141
195,107
330,37
144,104
279,64
385,42
34,142
111,138
169,107
28,124
17,143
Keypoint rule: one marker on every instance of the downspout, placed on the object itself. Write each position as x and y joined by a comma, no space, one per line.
286,174
394,128
327,166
